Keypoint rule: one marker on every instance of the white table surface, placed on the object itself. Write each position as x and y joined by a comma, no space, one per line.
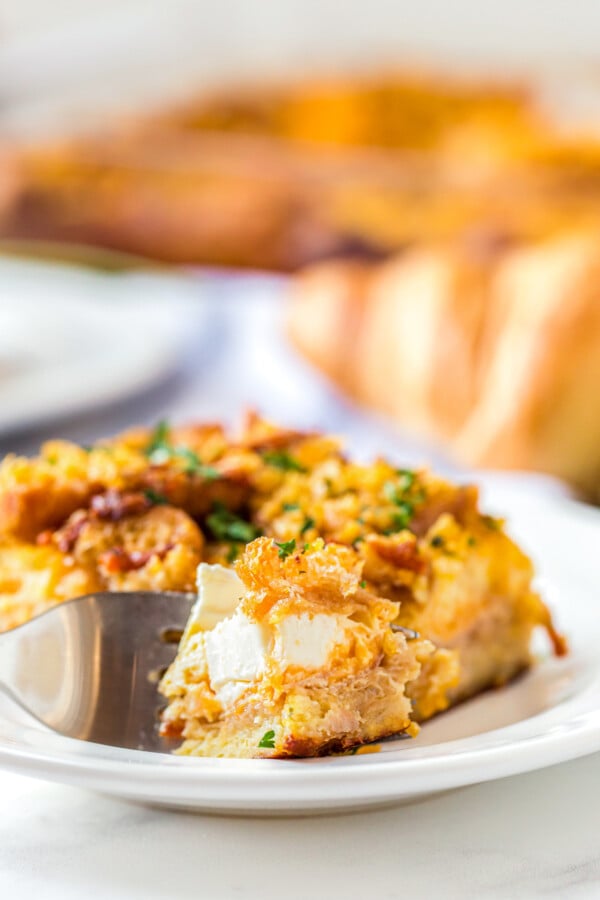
528,836
534,835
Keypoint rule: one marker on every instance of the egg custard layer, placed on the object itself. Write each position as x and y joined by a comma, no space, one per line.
289,655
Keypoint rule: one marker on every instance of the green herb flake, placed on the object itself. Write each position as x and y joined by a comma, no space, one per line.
309,522
267,741
159,438
100,448
290,507
281,459
226,526
492,523
471,541
160,451
233,553
406,479
437,541
209,473
363,584
390,492
154,497
401,516
194,465
285,547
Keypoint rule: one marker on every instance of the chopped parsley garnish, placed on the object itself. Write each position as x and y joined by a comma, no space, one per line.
194,465
401,517
471,541
267,741
492,523
160,438
160,450
209,473
363,584
154,497
226,526
104,448
285,547
406,479
309,522
281,459
390,491
290,507
403,501
437,541
233,553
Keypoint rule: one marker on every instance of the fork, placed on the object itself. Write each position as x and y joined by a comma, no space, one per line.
89,668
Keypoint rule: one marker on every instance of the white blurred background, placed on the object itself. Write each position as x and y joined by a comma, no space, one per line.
75,59
65,65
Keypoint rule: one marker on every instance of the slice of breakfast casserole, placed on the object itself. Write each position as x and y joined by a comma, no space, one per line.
289,655
143,510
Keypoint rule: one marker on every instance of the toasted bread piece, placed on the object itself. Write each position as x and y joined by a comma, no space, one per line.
156,549
185,467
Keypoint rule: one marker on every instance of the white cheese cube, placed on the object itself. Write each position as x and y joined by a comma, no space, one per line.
219,592
235,650
308,640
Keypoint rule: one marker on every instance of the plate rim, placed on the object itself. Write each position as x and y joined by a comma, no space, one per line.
141,368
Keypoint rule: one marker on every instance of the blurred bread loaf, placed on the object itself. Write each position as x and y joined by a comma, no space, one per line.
495,353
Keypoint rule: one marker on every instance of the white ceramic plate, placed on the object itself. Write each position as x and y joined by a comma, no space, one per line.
72,339
548,716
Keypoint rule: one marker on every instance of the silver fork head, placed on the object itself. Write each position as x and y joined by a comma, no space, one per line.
90,667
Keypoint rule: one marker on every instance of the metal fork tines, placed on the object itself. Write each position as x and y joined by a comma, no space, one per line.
83,668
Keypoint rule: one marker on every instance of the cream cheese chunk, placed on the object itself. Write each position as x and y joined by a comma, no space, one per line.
219,592
235,650
308,641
